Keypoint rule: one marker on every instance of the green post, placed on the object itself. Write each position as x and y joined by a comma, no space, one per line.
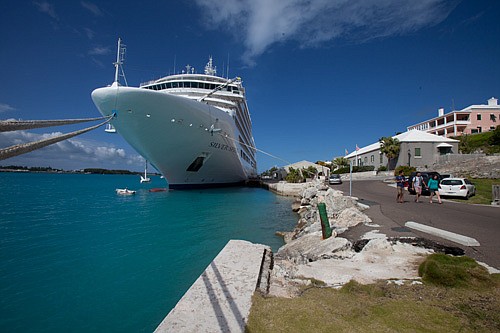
325,224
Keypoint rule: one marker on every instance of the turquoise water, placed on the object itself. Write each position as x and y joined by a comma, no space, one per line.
77,257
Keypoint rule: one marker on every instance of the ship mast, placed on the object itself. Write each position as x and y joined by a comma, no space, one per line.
120,57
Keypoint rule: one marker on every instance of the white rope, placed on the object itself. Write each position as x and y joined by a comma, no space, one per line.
15,125
256,149
30,146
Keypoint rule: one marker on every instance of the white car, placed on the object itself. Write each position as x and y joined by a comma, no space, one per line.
457,187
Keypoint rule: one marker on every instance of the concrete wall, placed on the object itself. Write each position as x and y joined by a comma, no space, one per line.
457,158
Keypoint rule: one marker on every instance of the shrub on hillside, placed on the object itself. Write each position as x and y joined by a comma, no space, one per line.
407,170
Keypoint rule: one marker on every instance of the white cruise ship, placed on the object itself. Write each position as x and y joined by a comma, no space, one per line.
193,128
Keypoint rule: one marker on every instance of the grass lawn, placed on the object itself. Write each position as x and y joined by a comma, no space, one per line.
471,305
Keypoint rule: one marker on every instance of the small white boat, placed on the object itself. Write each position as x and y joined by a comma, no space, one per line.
110,129
145,179
124,191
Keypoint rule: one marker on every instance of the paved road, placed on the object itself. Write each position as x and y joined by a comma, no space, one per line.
476,221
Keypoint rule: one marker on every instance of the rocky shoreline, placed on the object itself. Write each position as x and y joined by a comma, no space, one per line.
307,258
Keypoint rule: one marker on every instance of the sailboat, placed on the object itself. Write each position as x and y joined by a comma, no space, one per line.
110,129
145,179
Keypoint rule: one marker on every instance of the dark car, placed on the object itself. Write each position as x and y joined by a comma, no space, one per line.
425,176
335,179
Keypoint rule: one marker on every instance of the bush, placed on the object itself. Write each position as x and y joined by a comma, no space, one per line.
407,170
382,168
294,176
445,270
362,168
310,172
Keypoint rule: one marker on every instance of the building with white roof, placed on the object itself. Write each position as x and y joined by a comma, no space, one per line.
417,149
322,170
473,119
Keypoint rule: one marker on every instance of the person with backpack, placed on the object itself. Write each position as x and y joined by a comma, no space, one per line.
418,183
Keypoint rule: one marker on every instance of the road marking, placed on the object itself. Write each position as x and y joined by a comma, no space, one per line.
460,239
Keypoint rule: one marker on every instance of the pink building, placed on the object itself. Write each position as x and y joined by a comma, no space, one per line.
472,119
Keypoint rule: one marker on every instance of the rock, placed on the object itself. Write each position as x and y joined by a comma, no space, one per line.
350,217
359,244
305,202
311,247
287,235
335,203
309,192
322,187
296,206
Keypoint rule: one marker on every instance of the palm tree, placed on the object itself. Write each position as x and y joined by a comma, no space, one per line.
390,148
340,162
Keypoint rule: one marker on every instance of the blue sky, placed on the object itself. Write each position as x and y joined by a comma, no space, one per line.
321,75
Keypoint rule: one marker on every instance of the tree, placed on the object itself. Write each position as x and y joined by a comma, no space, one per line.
340,162
294,176
309,172
390,148
494,139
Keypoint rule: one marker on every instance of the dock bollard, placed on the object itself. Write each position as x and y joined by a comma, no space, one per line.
325,224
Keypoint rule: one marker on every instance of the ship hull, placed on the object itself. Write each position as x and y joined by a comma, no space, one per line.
191,143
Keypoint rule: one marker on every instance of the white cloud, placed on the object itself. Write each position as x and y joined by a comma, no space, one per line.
70,154
92,8
46,8
99,50
89,32
5,107
262,23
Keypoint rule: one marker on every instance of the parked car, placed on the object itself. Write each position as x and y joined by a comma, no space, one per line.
457,187
334,179
425,176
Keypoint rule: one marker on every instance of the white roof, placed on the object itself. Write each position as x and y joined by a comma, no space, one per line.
408,136
443,145
302,164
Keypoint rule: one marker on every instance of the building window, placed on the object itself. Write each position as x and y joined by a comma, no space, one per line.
479,129
366,161
372,159
492,128
493,118
417,153
381,158
473,131
478,117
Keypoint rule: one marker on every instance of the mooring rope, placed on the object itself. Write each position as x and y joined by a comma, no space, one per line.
15,125
30,146
254,148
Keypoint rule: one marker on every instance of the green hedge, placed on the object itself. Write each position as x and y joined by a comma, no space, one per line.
407,170
355,169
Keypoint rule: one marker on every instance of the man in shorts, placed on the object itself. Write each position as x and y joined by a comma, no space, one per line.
418,183
400,185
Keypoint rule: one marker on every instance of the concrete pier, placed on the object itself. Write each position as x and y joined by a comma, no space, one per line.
220,299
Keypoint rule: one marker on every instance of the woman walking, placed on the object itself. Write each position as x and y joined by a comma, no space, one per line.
433,184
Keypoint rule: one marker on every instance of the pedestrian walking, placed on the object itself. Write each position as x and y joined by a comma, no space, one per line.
400,185
418,183
433,184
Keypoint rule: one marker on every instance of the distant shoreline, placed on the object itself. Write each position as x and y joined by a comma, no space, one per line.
95,171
